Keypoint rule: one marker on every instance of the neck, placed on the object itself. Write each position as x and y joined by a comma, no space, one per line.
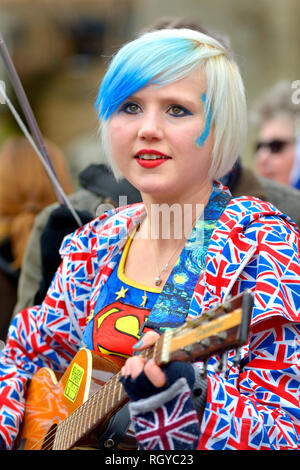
169,220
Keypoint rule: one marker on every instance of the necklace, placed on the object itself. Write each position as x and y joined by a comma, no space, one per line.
158,279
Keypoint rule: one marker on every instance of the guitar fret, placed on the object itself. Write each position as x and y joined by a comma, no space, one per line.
85,417
107,396
101,404
79,423
62,426
88,415
92,412
66,439
76,425
68,434
61,443
120,391
57,437
114,392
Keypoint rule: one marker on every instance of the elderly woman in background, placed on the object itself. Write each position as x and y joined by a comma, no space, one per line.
276,116
173,120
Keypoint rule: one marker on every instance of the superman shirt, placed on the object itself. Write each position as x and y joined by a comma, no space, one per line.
120,311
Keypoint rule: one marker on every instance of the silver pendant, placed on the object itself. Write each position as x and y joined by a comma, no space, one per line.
157,281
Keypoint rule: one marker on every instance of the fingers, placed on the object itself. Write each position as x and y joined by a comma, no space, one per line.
133,366
154,373
149,338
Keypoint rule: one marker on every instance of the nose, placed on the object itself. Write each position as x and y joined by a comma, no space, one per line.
150,127
263,156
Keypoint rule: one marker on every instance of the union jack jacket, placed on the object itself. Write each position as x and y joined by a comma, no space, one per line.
251,406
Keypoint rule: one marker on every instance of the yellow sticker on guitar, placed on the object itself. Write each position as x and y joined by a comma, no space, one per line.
73,383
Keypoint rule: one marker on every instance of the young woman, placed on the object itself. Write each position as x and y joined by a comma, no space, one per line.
173,120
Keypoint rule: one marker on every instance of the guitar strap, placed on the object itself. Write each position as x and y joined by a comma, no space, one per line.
116,430
173,303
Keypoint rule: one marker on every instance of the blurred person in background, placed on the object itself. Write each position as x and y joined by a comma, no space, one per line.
25,189
275,115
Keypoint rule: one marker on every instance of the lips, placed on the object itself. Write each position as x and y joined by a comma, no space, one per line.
149,158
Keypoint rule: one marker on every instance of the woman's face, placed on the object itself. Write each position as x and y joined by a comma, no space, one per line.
153,139
276,165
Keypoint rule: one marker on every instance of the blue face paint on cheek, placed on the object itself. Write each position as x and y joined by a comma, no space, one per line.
202,139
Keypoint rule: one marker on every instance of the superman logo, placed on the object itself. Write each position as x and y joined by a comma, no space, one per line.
116,327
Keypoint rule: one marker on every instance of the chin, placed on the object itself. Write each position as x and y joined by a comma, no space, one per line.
151,185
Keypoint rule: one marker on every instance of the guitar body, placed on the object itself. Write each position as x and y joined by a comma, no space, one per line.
51,399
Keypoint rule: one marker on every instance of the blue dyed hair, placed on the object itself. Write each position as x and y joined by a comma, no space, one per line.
164,56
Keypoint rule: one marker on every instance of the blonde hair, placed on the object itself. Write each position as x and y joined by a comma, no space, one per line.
25,190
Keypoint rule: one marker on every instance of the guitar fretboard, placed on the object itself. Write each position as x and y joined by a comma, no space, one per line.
89,415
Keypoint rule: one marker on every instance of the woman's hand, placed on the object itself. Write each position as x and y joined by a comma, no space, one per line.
136,364
142,378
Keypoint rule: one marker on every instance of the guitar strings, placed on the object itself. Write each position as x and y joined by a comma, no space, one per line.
101,394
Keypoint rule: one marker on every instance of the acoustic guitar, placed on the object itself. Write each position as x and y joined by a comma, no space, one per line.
72,411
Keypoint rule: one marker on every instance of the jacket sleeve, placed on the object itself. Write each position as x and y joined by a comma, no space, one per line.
38,336
255,406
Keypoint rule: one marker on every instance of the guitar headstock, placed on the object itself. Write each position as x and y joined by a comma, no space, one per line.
217,330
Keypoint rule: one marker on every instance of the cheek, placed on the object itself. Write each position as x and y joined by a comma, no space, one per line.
291,157
117,137
186,137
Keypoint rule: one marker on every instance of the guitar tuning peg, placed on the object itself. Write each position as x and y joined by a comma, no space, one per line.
204,343
222,336
188,350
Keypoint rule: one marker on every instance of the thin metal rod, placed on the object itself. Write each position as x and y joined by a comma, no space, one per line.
26,108
52,176
39,146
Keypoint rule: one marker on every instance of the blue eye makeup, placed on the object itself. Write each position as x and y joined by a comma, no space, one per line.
130,108
178,110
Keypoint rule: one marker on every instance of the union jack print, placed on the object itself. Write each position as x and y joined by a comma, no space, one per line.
173,424
252,406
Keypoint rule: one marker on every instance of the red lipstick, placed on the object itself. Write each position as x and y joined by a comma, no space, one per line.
145,162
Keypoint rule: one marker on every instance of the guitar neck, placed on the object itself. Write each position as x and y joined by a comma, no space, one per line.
109,398
90,414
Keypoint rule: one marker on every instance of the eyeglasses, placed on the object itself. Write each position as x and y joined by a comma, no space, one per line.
275,146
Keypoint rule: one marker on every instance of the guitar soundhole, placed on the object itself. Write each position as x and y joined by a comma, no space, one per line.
49,439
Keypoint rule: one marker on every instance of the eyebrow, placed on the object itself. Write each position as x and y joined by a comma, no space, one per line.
172,99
